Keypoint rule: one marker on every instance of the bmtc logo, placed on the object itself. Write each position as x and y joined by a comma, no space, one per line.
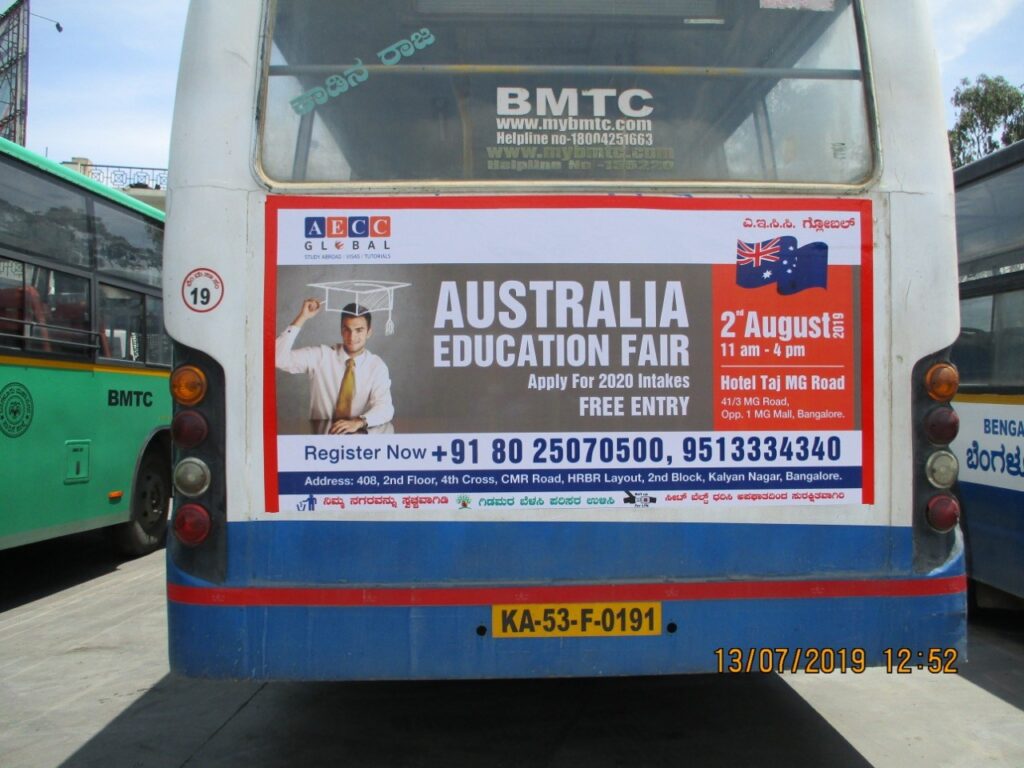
348,228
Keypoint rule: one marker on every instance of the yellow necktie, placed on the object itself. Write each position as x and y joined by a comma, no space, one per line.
343,407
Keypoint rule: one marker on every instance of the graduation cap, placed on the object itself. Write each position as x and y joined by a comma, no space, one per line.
368,296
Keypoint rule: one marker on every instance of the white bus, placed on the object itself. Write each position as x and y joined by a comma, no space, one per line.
565,338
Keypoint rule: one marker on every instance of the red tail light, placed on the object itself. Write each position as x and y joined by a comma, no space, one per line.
943,513
941,425
189,429
192,524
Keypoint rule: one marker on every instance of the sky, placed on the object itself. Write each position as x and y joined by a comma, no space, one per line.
104,87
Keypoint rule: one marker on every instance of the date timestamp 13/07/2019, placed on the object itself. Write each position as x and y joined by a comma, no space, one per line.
899,661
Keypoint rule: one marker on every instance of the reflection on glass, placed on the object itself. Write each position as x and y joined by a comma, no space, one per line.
41,217
158,343
122,324
127,245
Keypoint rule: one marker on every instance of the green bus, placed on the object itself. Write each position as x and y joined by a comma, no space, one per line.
84,360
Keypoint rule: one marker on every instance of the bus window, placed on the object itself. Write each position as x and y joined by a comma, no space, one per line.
413,91
40,217
1008,339
12,302
122,322
127,246
43,310
972,352
158,344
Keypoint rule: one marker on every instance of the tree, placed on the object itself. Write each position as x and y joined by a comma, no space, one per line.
990,115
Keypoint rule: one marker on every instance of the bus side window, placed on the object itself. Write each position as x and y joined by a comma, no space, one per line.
158,343
1008,335
973,350
12,302
57,311
122,318
972,354
11,314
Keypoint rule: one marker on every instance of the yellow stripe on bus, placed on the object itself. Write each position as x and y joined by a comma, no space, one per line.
989,399
69,365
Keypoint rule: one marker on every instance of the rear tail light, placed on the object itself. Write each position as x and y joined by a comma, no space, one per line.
936,466
189,429
199,546
188,385
943,513
941,425
192,524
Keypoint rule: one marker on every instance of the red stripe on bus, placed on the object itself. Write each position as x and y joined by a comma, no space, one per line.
867,354
238,597
271,498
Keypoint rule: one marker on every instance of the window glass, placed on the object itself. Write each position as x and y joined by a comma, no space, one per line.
1008,339
44,310
127,245
41,216
158,343
972,352
122,324
592,90
12,303
990,349
989,227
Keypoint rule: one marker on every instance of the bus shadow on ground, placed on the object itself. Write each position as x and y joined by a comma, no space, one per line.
995,653
700,720
35,571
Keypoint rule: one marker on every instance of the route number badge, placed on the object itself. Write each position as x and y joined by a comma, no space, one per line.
202,290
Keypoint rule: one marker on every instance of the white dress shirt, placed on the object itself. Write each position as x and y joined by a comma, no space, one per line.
325,367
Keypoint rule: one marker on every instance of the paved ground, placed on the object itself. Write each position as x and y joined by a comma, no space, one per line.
84,682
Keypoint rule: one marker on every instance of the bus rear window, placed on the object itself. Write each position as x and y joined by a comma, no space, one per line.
585,91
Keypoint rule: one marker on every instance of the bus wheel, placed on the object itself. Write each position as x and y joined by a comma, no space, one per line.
146,531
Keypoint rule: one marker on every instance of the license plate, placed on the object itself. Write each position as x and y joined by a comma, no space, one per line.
576,620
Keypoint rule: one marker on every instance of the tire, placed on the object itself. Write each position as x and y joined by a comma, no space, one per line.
151,496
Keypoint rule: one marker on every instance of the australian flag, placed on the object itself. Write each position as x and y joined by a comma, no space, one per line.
781,263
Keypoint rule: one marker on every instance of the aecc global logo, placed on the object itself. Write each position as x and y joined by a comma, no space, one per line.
347,226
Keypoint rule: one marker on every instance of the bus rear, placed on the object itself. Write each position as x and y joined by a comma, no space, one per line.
568,339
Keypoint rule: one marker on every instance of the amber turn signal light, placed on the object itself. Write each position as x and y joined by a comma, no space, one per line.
942,381
188,385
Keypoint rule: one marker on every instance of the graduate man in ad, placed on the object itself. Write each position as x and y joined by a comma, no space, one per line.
349,386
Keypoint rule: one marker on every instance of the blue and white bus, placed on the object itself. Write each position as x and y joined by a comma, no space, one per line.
990,356
563,338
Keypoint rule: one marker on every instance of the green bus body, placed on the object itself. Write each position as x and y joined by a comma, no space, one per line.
71,468
84,362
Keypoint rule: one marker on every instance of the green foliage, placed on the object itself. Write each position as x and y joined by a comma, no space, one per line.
990,115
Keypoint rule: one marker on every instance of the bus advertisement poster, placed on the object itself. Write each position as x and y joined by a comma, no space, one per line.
566,357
